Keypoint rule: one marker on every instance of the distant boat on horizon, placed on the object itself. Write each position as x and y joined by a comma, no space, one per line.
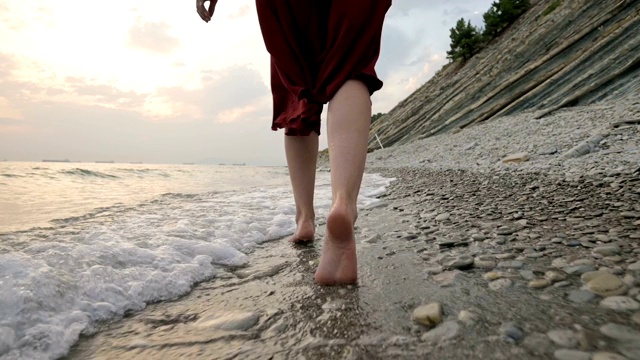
56,161
136,162
243,164
105,161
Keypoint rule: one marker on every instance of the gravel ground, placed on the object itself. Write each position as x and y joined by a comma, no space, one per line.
570,245
453,264
547,142
464,257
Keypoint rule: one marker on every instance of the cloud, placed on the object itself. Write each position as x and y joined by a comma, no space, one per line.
18,94
140,107
108,95
452,15
225,95
12,126
153,37
8,19
8,63
414,44
397,45
243,11
406,6
9,111
13,91
89,133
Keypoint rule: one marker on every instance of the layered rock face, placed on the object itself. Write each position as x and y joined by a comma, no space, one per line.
582,52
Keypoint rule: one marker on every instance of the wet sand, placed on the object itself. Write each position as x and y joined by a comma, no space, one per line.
413,249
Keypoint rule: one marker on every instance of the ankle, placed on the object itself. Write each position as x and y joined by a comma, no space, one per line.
347,207
305,216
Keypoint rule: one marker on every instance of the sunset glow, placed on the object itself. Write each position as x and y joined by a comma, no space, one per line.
65,65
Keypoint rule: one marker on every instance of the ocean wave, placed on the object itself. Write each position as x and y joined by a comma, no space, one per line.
93,214
11,175
182,195
136,171
65,281
86,172
144,172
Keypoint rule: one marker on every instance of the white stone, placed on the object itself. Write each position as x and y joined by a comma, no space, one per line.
467,317
500,284
607,356
429,315
516,158
276,329
563,338
620,332
372,239
229,321
443,217
620,303
564,354
445,331
7,339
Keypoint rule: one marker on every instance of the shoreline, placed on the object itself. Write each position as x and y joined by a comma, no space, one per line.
414,248
503,248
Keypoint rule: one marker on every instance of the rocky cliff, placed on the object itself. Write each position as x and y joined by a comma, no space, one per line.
580,52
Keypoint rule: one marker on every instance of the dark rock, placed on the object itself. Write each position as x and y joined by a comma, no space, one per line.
581,296
511,331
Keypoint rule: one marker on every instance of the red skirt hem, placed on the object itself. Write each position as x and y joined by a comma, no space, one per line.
316,46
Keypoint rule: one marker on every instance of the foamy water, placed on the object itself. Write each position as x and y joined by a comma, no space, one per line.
126,236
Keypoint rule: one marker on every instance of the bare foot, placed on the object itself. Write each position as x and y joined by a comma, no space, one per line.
305,232
338,263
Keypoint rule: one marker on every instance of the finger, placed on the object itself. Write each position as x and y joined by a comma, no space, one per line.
204,14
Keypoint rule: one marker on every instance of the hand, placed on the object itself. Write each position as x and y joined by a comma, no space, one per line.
206,14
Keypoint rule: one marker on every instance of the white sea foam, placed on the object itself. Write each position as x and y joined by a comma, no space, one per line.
56,284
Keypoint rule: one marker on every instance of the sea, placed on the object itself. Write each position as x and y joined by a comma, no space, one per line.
86,243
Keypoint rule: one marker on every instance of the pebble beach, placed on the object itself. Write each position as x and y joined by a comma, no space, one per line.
518,238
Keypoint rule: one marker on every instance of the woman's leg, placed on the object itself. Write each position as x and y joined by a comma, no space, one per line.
348,124
302,156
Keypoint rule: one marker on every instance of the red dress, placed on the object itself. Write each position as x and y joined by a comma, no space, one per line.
315,47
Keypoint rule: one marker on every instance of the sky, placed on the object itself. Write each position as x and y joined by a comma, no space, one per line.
142,81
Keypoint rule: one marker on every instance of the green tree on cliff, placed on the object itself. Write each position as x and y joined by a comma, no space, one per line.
375,117
465,41
502,14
